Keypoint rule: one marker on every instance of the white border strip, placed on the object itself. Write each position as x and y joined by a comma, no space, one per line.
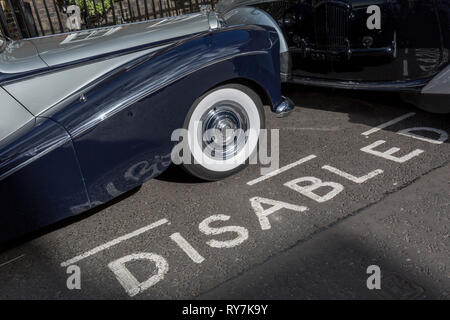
388,124
114,242
12,260
281,170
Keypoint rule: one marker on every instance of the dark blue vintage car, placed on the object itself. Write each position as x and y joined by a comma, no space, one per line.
89,115
380,45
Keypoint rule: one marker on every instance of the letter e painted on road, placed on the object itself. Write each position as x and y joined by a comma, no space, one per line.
389,154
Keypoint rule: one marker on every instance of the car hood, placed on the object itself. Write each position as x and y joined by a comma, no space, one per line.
37,53
63,48
18,57
13,117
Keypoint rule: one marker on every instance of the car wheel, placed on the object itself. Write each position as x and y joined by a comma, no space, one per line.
223,129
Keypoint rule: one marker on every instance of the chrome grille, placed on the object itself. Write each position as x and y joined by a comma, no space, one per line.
331,26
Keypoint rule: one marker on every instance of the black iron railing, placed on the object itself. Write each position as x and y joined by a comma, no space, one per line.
33,18
4,30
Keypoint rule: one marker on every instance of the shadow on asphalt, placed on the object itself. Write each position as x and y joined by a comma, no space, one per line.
364,107
333,269
177,175
328,268
65,222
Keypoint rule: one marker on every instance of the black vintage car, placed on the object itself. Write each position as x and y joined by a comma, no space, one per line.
385,45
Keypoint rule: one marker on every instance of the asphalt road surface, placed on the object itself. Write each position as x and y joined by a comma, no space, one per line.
284,240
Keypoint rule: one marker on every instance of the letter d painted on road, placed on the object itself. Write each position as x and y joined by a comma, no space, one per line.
131,285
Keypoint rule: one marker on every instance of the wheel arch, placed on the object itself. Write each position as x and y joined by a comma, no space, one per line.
252,84
253,15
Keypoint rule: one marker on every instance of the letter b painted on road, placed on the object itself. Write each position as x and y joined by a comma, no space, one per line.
315,184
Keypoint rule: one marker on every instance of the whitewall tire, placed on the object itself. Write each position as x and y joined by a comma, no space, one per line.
223,131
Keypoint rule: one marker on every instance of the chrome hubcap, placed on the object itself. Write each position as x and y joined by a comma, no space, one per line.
224,130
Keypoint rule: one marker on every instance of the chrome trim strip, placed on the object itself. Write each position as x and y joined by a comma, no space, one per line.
284,108
411,86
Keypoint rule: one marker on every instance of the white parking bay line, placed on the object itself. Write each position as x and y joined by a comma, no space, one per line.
281,170
388,124
12,260
114,242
